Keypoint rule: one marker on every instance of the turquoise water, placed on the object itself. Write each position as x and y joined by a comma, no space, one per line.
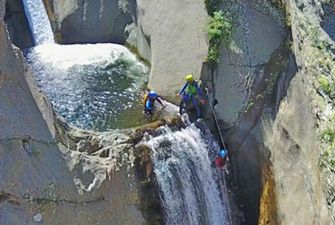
97,87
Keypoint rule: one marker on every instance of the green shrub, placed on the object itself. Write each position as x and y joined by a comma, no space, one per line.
328,135
219,29
212,55
325,85
327,157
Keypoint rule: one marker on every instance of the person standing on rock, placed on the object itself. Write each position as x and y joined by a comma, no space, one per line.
149,102
191,92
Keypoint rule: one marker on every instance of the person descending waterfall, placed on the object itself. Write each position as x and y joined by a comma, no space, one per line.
221,158
149,102
190,92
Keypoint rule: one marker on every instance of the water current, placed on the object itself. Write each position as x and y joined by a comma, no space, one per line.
99,86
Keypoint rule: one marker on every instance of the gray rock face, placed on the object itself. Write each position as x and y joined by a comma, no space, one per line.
90,21
2,9
257,34
44,180
280,127
310,30
170,35
248,69
177,41
294,154
17,24
19,115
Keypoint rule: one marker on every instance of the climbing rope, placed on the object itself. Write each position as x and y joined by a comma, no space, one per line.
225,170
215,119
229,209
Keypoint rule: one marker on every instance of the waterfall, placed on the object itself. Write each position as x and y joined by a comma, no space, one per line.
38,21
188,189
88,84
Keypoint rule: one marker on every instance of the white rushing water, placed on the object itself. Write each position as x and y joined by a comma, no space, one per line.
94,86
38,21
187,182
91,85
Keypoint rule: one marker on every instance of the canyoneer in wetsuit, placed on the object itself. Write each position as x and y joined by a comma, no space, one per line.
221,158
149,102
191,92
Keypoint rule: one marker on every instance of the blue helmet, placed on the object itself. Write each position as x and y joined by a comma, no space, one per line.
223,152
152,94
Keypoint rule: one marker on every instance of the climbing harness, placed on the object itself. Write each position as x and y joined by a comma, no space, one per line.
189,91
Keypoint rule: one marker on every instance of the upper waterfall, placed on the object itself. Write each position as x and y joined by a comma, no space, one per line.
38,21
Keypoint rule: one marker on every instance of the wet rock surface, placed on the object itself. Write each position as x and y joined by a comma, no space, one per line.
271,117
244,85
242,62
90,21
268,210
17,24
265,115
58,175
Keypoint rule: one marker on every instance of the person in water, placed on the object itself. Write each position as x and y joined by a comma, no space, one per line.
149,102
191,92
221,158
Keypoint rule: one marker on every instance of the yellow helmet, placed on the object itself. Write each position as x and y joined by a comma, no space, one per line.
189,77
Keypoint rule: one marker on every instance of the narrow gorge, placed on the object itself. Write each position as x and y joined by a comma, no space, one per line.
75,147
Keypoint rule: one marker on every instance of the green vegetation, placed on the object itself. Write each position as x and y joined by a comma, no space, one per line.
219,29
320,59
321,62
327,137
325,85
327,157
325,69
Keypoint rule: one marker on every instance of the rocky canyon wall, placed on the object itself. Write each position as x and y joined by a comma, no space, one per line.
274,110
17,24
313,45
49,181
258,100
303,181
243,83
270,107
